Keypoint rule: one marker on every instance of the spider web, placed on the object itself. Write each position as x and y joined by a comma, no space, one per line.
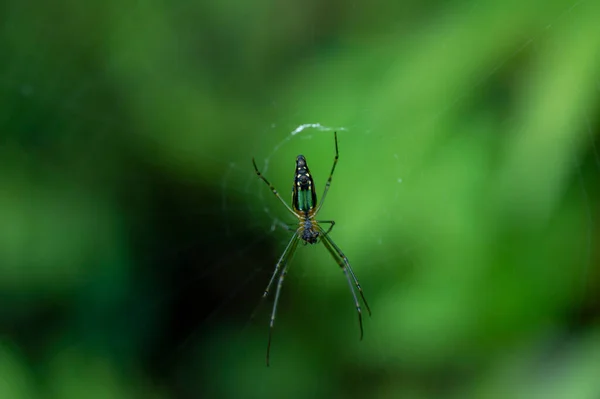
244,222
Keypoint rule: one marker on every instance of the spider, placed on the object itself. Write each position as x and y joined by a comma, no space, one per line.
305,209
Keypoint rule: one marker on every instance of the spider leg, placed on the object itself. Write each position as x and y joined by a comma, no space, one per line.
335,161
285,256
273,189
284,260
341,259
331,222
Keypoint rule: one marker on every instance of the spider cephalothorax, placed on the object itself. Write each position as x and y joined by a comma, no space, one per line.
309,231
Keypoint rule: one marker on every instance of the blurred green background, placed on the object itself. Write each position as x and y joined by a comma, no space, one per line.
136,240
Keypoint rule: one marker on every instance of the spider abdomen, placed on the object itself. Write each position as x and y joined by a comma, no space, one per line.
304,198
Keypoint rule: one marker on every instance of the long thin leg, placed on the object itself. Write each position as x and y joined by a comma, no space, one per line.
331,222
289,250
286,263
283,259
335,161
273,188
341,259
347,264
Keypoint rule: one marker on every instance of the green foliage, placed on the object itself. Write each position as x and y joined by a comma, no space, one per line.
465,197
